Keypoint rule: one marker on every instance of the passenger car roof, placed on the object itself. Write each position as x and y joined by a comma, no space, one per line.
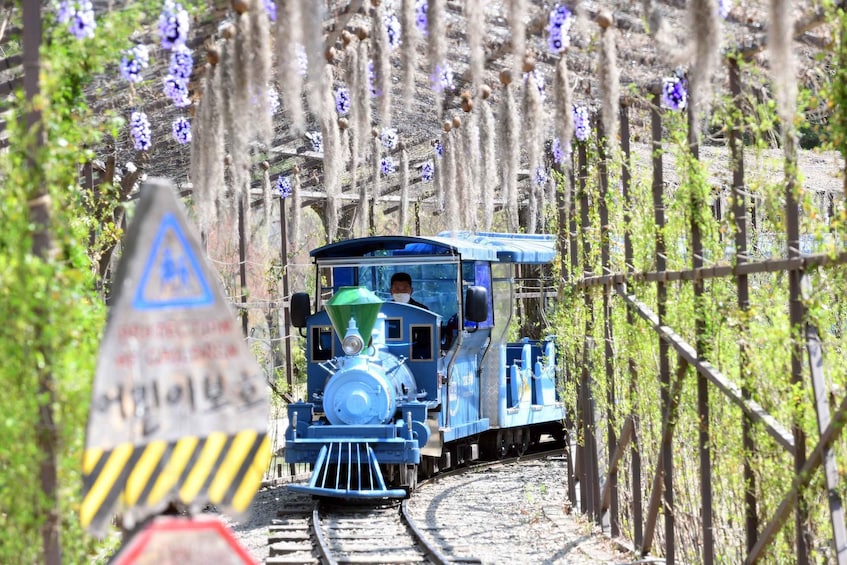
482,246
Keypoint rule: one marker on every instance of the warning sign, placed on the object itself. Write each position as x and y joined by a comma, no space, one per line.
182,541
179,408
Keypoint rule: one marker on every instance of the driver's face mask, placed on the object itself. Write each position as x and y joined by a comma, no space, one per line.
402,297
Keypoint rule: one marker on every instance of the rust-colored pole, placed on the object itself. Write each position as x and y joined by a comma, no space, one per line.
39,214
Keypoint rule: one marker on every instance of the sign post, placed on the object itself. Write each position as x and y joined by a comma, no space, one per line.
179,409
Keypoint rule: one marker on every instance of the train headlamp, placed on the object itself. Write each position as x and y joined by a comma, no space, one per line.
353,311
352,344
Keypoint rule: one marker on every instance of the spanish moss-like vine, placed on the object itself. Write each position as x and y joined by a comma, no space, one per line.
532,142
408,51
517,26
437,47
289,39
510,147
451,210
208,150
488,163
610,79
261,73
704,21
331,156
475,16
313,21
782,60
382,65
564,107
472,159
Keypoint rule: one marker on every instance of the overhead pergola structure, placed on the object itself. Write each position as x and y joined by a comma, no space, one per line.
642,56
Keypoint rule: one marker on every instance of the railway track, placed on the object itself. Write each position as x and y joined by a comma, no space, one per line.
332,532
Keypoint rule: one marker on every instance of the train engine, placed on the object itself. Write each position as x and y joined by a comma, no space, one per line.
363,426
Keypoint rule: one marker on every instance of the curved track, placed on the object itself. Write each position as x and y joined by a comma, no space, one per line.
331,532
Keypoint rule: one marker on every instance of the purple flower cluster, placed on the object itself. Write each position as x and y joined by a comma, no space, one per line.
177,90
427,171
372,79
273,99
442,78
558,28
282,187
724,8
558,151
316,138
181,129
139,128
439,148
389,138
342,100
421,21
540,177
270,7
387,166
674,93
182,62
581,123
302,59
173,25
134,60
394,30
539,82
79,17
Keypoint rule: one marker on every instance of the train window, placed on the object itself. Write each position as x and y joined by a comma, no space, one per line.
393,329
421,343
321,343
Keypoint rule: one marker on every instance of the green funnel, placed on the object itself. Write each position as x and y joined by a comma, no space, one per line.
354,302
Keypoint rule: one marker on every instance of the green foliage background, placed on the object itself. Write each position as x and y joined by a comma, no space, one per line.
52,314
763,332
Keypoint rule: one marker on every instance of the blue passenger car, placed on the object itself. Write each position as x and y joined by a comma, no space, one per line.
396,391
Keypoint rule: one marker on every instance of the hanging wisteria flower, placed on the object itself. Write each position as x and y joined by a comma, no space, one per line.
133,62
558,29
557,151
427,171
342,100
581,124
177,90
270,7
316,138
181,129
273,99
389,138
393,28
282,187
439,148
442,78
723,8
302,59
421,21
372,80
173,24
539,82
79,17
139,128
674,93
387,166
182,62
540,177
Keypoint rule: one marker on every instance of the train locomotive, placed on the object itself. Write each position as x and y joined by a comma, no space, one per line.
396,391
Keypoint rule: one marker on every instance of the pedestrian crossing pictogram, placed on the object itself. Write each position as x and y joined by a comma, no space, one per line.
172,277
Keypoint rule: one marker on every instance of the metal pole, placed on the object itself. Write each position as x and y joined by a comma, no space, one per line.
739,207
704,442
39,213
286,297
626,179
242,262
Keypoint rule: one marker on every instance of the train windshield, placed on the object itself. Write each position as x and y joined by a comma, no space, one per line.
434,284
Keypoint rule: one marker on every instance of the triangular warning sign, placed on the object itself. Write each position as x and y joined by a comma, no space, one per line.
172,277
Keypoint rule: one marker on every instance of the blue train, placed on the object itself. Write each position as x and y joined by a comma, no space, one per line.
396,391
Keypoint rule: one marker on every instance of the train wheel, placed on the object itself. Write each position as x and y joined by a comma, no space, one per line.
502,445
521,441
411,477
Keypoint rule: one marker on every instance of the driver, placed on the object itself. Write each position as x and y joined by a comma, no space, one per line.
401,290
